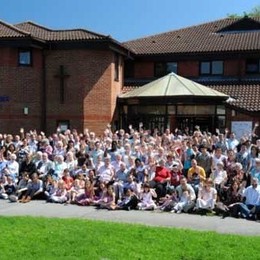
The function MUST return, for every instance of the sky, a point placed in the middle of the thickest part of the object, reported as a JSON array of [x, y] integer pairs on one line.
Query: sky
[[122, 19]]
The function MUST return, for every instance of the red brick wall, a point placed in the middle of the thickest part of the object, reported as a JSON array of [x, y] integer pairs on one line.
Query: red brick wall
[[188, 68], [23, 86], [8, 57], [144, 69], [90, 90], [232, 68]]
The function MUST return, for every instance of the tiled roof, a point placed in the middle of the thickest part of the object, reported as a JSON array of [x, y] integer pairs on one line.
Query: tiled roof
[[245, 96], [208, 37], [9, 31], [59, 35]]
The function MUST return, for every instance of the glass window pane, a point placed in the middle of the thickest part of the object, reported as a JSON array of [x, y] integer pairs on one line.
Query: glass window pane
[[25, 57], [205, 67], [205, 110], [196, 110], [221, 110], [217, 67], [155, 110], [185, 110], [160, 69], [171, 110], [221, 122], [171, 67], [252, 66]]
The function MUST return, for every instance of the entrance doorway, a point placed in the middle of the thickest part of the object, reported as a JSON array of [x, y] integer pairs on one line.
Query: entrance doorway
[[204, 123], [150, 122]]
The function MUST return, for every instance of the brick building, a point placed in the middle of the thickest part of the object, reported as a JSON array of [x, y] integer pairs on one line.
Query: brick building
[[72, 78], [50, 78], [223, 55]]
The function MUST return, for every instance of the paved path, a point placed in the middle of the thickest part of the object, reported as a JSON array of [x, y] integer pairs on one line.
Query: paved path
[[212, 223]]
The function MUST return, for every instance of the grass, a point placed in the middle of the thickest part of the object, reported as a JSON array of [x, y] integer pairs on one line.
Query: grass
[[53, 238]]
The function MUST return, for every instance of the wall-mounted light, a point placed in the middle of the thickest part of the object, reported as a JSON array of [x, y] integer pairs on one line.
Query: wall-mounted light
[[26, 110]]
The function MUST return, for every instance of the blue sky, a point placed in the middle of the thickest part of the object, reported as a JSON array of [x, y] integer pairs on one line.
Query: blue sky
[[122, 19]]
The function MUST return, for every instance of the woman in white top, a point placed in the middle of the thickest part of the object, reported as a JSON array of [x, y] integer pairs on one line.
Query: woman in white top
[[207, 196], [146, 197]]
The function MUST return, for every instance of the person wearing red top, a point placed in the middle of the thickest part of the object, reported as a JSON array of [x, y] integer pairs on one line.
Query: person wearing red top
[[162, 177], [68, 180], [175, 176]]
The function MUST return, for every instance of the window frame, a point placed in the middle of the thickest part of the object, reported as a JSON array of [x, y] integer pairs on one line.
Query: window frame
[[116, 67], [20, 51], [211, 68], [164, 66], [257, 63]]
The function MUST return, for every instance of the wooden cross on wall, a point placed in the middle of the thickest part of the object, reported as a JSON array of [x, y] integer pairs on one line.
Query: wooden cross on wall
[[62, 76]]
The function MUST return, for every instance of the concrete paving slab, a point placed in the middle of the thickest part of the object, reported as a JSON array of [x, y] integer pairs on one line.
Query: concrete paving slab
[[151, 218]]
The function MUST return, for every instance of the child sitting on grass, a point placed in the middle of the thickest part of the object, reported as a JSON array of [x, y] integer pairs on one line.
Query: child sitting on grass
[[60, 195], [184, 200], [146, 198], [108, 199], [169, 201], [86, 198], [129, 200]]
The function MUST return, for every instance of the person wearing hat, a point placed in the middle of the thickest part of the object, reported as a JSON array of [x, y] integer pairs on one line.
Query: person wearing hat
[[175, 177]]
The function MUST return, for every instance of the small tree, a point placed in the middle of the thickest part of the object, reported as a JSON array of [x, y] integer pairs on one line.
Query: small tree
[[255, 12]]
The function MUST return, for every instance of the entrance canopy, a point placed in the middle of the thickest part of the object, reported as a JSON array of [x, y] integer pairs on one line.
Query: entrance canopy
[[173, 102], [173, 85]]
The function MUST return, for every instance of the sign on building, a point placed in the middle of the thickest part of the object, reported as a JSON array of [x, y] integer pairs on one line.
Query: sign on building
[[242, 128]]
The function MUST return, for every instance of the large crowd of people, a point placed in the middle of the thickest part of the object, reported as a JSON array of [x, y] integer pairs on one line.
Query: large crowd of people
[[181, 171]]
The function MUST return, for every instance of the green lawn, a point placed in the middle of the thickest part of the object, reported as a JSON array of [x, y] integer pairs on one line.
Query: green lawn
[[53, 238]]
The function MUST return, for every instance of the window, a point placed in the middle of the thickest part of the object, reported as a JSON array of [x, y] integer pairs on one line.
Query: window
[[25, 57], [129, 69], [63, 125], [147, 110], [253, 66], [211, 68], [195, 110], [116, 78], [164, 68], [221, 110]]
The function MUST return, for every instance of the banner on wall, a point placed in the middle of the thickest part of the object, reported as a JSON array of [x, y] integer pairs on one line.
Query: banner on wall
[[242, 128]]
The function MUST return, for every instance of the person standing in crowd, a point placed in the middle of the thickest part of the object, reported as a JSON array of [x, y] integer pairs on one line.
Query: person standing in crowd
[[204, 160], [232, 142], [188, 155]]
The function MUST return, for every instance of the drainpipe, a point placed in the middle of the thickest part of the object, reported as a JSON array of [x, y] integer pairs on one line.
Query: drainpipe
[[44, 94]]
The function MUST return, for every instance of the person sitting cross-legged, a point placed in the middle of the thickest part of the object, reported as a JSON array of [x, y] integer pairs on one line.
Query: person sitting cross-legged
[[251, 207], [34, 191]]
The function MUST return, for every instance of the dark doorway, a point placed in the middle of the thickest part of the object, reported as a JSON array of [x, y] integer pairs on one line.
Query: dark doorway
[[204, 123]]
